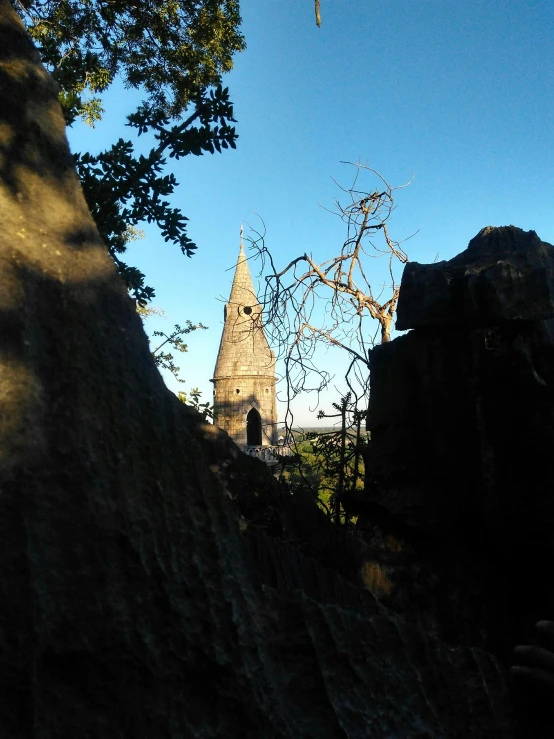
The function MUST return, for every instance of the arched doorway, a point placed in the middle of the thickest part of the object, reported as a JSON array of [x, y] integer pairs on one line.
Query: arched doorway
[[253, 428]]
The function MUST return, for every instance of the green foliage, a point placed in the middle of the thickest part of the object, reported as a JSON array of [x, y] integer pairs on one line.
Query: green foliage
[[165, 359], [193, 399], [170, 49], [175, 52], [123, 189], [329, 463]]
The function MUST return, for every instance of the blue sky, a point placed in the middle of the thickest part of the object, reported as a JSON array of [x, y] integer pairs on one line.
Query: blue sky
[[457, 92]]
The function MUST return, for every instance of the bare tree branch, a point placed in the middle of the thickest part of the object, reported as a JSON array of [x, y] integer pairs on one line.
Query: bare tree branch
[[317, 14], [311, 305], [294, 297]]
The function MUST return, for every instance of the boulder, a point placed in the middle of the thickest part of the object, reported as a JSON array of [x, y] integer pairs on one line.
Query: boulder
[[458, 506], [505, 274]]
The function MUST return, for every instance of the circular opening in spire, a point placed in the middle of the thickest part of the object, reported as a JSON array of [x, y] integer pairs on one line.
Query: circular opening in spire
[[247, 309]]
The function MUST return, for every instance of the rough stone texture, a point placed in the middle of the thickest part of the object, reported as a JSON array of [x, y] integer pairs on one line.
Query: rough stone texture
[[134, 600], [459, 511], [244, 374], [504, 274]]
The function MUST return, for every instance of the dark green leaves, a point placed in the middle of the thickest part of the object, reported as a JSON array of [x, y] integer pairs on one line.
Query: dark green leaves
[[123, 189], [175, 52], [169, 48], [174, 341]]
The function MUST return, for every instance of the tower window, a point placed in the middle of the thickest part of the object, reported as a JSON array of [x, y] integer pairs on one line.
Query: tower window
[[237, 390], [253, 428], [247, 309], [267, 389]]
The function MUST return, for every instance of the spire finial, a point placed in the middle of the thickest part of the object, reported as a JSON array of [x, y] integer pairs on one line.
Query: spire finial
[[241, 239]]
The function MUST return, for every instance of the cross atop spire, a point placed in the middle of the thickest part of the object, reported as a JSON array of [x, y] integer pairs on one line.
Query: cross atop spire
[[242, 290], [241, 251]]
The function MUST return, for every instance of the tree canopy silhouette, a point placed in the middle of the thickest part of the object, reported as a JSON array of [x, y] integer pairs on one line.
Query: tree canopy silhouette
[[175, 52]]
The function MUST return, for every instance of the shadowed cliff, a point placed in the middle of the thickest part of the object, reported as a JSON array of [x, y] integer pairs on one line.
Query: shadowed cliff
[[459, 465]]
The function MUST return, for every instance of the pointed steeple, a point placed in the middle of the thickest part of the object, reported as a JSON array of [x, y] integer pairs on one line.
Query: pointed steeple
[[243, 350], [245, 401], [242, 290]]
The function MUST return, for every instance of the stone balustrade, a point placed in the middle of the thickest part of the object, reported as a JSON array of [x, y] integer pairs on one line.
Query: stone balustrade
[[268, 454]]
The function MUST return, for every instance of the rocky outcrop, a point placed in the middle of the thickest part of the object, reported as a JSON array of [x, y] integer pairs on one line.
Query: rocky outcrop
[[462, 425], [505, 274], [135, 601]]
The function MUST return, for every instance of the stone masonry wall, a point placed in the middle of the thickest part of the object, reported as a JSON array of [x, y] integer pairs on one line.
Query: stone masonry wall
[[231, 407]]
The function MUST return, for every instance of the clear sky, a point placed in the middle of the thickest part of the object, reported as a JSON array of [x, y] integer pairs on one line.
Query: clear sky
[[457, 92]]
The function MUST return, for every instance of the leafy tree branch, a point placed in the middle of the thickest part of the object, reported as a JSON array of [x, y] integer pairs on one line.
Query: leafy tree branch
[[175, 52], [164, 359]]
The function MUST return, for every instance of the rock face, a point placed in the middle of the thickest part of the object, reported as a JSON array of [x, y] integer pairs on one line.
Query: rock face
[[134, 601], [462, 425], [505, 274]]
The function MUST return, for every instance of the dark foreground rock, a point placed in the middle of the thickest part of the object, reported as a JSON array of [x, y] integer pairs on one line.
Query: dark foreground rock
[[134, 600], [462, 425], [505, 274]]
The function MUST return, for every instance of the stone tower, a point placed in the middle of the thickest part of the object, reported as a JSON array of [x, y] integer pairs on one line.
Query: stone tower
[[244, 377]]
